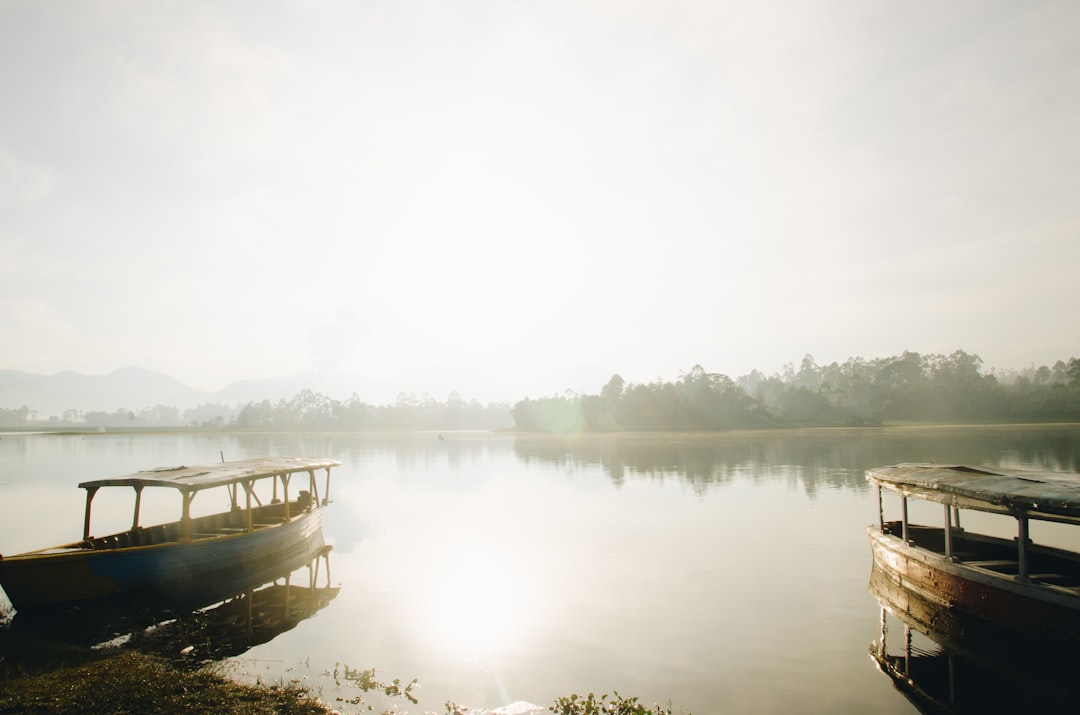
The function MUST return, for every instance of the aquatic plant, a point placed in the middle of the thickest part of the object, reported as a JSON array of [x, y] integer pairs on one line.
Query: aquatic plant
[[366, 682], [617, 705]]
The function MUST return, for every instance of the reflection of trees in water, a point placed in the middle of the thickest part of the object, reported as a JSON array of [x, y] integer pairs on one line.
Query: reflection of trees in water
[[812, 459], [405, 449], [703, 461]]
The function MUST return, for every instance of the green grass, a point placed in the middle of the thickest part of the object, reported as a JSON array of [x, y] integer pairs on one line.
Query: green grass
[[132, 683]]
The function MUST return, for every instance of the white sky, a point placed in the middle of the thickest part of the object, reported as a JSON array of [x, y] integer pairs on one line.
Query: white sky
[[488, 192]]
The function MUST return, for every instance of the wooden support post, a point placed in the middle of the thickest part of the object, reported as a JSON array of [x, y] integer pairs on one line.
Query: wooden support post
[[90, 492], [877, 488], [138, 504], [326, 489], [1022, 548], [288, 599], [285, 494], [185, 518], [903, 518], [952, 679], [249, 525], [948, 532], [907, 649], [882, 632], [313, 487], [956, 518]]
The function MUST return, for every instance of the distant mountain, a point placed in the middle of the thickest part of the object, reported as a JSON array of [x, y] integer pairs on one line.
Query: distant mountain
[[134, 388], [126, 388]]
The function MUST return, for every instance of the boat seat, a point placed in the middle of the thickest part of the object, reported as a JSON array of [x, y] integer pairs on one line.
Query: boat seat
[[1048, 577], [994, 564]]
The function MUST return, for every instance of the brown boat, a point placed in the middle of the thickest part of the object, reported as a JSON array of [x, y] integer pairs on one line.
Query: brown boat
[[1026, 587]]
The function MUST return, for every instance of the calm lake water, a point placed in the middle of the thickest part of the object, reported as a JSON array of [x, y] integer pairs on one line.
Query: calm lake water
[[724, 573]]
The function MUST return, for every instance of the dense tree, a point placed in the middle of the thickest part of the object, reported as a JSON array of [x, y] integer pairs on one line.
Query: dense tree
[[17, 416], [209, 414], [909, 386], [314, 411]]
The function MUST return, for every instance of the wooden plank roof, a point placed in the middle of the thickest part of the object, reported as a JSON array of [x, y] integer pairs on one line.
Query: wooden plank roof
[[195, 478], [1003, 489]]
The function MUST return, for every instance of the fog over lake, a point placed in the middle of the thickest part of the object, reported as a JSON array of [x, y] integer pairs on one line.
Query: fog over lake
[[709, 261], [724, 572]]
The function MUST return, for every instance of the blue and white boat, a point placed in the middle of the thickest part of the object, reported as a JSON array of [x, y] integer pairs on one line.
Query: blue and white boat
[[174, 555]]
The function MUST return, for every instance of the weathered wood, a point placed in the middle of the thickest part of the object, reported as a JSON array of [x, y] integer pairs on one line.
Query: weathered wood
[[138, 505], [948, 532], [1013, 582], [993, 563], [1043, 495], [203, 477], [90, 492], [1034, 608]]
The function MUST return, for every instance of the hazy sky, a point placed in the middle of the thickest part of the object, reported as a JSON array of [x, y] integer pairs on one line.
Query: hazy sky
[[487, 193]]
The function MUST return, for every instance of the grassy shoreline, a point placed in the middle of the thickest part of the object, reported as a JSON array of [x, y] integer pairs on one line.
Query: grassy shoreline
[[119, 683], [126, 682]]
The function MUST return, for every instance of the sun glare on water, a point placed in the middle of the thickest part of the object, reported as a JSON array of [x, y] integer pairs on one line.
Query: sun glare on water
[[479, 603]]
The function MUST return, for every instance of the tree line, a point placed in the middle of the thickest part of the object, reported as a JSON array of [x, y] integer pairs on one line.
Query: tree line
[[205, 415], [907, 387], [314, 411], [307, 410]]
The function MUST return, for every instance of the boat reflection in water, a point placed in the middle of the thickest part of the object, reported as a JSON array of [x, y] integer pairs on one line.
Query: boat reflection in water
[[202, 622], [944, 662]]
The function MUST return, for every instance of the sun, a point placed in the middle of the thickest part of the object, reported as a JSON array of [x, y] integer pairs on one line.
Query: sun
[[478, 603]]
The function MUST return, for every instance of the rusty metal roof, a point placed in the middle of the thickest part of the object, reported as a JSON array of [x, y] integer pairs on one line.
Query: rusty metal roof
[[1004, 489], [195, 478]]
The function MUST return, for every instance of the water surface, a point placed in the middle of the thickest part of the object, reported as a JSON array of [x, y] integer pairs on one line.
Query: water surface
[[724, 572]]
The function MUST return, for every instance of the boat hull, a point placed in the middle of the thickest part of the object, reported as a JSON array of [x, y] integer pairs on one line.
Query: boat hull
[[1027, 674], [168, 569], [934, 587]]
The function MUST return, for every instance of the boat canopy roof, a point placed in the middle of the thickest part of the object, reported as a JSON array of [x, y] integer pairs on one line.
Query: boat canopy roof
[[190, 479], [988, 489]]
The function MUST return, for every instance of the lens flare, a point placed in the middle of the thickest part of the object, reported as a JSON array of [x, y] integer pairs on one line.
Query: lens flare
[[478, 602]]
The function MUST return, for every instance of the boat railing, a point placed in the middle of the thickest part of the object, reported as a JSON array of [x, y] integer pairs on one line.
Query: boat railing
[[1046, 565], [203, 527]]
